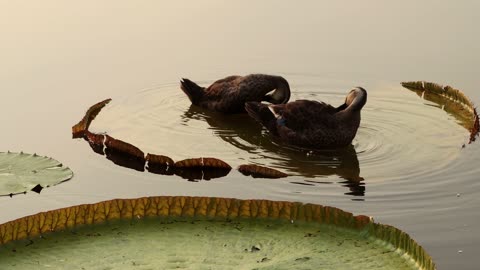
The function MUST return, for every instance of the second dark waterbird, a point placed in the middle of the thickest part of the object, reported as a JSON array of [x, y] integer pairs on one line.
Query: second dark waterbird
[[312, 124], [230, 94]]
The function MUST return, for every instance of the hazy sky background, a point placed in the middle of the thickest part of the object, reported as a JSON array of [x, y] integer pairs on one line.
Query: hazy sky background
[[153, 41]]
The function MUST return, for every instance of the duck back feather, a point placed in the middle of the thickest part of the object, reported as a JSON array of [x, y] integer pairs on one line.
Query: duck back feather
[[229, 95]]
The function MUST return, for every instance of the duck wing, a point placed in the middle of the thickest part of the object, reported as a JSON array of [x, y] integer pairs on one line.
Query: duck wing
[[306, 114], [231, 93], [305, 122], [252, 87], [223, 86]]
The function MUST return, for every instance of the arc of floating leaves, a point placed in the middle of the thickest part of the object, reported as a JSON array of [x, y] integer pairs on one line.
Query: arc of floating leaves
[[196, 209], [127, 155], [78, 130], [21, 172], [452, 100], [257, 171]]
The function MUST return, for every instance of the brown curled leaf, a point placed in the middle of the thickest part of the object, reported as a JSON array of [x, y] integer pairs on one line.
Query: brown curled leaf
[[124, 154], [201, 168], [95, 141], [122, 147], [79, 129], [257, 171], [202, 163], [160, 164]]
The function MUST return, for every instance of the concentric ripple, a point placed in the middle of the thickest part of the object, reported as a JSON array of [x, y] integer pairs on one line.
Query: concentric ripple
[[401, 136]]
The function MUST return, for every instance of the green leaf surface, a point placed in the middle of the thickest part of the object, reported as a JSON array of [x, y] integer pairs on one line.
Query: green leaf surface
[[21, 172], [205, 233]]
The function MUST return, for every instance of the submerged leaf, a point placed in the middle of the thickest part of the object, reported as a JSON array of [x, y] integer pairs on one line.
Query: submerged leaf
[[199, 232], [20, 172], [257, 171]]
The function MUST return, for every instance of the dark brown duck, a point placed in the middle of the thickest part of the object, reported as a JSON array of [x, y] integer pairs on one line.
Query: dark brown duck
[[229, 95], [312, 124]]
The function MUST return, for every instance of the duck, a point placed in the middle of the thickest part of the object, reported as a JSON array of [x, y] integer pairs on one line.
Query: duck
[[312, 124], [229, 95]]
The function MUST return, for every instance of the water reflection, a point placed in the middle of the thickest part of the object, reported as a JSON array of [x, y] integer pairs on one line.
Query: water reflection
[[244, 133]]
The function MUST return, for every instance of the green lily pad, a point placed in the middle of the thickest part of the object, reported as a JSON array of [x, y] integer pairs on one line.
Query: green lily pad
[[21, 172], [205, 233]]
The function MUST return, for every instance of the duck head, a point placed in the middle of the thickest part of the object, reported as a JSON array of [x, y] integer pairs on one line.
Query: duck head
[[355, 100]]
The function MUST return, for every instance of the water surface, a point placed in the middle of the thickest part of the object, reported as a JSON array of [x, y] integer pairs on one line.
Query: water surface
[[406, 167]]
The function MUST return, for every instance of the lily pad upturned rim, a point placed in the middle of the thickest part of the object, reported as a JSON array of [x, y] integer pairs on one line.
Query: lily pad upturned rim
[[209, 208], [452, 100]]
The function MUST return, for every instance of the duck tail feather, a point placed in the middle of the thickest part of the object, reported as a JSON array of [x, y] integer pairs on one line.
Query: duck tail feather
[[192, 90], [261, 113]]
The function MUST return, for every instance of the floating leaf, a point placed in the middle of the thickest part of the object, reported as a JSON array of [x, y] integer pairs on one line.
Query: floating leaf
[[196, 232], [201, 168], [451, 100], [257, 171], [202, 163], [124, 154], [96, 142], [79, 129], [160, 164], [124, 148], [20, 172]]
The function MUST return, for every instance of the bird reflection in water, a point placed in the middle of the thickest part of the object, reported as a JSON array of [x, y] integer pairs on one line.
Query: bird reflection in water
[[244, 133]]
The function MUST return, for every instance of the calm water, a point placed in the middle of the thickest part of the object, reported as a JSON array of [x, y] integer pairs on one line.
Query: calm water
[[406, 166]]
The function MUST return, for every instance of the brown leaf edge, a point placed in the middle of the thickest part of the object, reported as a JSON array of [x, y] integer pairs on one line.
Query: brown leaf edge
[[209, 208], [257, 171], [78, 130], [448, 94]]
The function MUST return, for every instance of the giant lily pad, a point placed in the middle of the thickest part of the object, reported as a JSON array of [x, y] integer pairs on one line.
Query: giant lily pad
[[205, 233], [20, 172]]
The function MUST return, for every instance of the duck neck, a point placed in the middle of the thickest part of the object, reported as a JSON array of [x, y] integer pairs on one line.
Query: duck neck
[[359, 101], [281, 94]]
